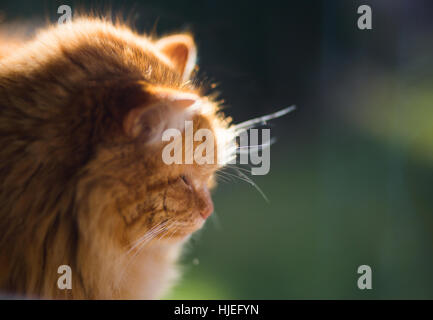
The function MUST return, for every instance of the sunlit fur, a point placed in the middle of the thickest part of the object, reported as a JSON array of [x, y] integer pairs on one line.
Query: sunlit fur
[[75, 188]]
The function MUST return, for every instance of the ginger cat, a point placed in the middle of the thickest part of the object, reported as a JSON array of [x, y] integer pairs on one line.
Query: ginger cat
[[82, 109]]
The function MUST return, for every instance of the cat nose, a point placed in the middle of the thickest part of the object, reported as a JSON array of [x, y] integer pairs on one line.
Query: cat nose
[[206, 205], [206, 210]]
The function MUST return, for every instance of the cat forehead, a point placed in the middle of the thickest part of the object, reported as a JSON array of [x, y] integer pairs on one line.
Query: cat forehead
[[100, 45]]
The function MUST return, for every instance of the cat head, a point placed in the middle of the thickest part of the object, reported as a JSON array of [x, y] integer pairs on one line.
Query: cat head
[[111, 101]]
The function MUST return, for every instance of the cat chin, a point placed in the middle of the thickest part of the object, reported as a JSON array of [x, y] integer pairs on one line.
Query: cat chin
[[183, 234]]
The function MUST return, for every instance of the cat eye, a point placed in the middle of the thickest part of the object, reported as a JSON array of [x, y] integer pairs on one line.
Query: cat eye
[[186, 181]]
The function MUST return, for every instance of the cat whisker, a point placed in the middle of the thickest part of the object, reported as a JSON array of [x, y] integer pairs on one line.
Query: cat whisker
[[142, 244], [149, 234], [235, 167], [162, 234], [243, 177], [141, 241], [226, 176], [173, 233], [219, 174], [243, 126], [255, 148]]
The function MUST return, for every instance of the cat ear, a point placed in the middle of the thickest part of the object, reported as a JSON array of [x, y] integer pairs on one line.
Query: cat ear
[[181, 51], [166, 110]]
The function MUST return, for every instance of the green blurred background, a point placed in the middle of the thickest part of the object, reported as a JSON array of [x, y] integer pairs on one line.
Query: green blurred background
[[351, 178]]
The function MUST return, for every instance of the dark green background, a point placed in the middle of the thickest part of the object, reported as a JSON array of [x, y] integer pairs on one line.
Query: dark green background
[[351, 178]]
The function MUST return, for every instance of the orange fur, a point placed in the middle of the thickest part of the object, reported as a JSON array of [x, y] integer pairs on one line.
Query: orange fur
[[81, 182]]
